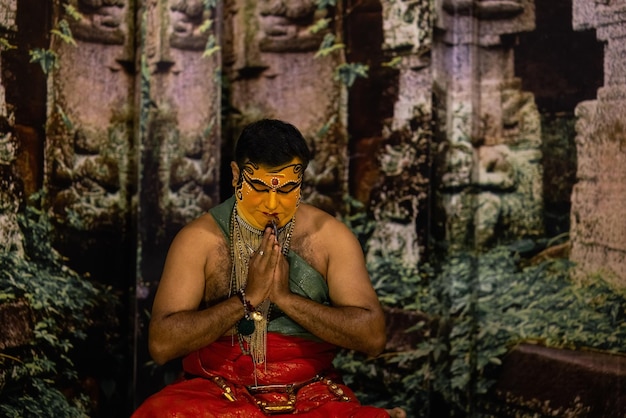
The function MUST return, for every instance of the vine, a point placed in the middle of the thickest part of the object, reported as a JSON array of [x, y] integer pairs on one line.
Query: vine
[[479, 307], [40, 378]]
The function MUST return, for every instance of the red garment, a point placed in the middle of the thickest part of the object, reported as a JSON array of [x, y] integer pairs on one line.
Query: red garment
[[289, 360]]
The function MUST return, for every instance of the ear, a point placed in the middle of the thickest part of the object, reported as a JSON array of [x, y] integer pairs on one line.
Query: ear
[[235, 170]]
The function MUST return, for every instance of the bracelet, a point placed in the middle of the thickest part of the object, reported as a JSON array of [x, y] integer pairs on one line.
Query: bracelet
[[247, 306], [246, 325]]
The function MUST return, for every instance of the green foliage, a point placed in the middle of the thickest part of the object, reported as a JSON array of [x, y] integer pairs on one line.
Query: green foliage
[[480, 306], [319, 25], [5, 45], [324, 4], [211, 47], [46, 58], [64, 32], [347, 73], [65, 306], [72, 12], [354, 216], [328, 46]]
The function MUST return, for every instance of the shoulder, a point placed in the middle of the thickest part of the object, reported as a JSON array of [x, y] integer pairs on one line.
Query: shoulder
[[323, 231], [201, 234], [317, 220]]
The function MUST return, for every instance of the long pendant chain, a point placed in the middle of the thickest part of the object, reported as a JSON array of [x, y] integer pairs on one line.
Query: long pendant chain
[[244, 240]]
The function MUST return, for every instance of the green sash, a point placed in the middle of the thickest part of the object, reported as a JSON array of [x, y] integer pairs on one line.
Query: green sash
[[304, 280]]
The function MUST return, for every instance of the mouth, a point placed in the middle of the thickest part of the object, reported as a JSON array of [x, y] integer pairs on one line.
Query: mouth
[[273, 217]]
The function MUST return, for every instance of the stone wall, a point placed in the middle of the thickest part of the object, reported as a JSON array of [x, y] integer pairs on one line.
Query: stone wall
[[598, 229], [489, 173]]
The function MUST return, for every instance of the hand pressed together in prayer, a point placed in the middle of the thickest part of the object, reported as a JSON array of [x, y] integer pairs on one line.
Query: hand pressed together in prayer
[[268, 271], [261, 292]]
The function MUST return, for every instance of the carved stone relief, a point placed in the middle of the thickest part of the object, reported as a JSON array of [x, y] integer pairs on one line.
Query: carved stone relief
[[11, 238], [183, 128], [10, 233], [407, 25], [395, 203], [483, 21], [322, 175], [484, 9], [275, 74], [285, 25], [89, 131], [488, 127], [102, 21], [186, 19], [400, 196]]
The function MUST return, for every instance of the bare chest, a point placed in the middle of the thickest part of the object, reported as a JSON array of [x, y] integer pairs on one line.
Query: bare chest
[[218, 270]]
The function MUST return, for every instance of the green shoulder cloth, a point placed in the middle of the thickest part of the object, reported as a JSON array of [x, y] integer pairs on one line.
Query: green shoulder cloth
[[304, 280]]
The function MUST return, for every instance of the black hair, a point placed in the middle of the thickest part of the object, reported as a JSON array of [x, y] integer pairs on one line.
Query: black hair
[[271, 142]]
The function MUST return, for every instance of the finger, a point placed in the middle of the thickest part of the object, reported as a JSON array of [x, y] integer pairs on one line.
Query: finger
[[268, 241]]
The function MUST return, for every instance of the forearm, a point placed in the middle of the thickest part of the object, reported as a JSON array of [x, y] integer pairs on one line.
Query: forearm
[[350, 327], [177, 334]]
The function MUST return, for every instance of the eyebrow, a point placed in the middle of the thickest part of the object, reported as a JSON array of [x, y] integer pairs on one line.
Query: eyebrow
[[285, 188]]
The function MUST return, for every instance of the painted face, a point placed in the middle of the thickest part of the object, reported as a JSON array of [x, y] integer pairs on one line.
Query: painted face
[[266, 193]]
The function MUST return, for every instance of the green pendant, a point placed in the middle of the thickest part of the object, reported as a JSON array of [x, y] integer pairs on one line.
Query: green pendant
[[245, 326]]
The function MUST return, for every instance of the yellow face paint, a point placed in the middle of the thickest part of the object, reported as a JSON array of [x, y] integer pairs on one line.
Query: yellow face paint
[[265, 194]]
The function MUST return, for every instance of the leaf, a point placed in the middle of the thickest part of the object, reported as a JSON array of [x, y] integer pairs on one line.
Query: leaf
[[324, 4], [72, 12], [348, 73], [319, 25], [64, 32], [6, 45], [46, 58]]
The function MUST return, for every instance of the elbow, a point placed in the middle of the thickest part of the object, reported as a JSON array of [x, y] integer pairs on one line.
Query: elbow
[[376, 344], [376, 339], [158, 351]]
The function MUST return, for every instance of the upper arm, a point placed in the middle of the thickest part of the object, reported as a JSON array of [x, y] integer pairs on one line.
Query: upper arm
[[182, 284], [348, 280]]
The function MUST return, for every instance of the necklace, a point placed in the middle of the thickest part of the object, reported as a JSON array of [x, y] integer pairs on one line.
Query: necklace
[[244, 241]]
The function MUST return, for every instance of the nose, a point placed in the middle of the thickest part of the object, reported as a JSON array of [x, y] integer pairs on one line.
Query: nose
[[272, 200]]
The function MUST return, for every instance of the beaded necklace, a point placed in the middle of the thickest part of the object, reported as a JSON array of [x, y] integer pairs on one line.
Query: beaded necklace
[[244, 241]]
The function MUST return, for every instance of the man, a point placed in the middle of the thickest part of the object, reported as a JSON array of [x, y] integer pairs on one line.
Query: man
[[258, 294]]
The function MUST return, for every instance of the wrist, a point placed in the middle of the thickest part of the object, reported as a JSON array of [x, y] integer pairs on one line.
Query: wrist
[[249, 311]]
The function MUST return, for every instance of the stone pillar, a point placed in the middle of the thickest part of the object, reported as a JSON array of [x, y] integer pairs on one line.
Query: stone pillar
[[598, 227], [401, 194], [184, 118], [489, 136], [178, 129], [274, 73], [89, 166]]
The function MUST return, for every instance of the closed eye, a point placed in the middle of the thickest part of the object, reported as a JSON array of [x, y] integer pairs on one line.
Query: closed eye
[[261, 187]]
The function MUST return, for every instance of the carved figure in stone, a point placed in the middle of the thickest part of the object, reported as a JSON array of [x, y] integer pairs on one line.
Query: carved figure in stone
[[284, 25], [496, 180], [192, 175], [520, 118], [186, 19], [481, 195], [322, 175], [484, 9], [10, 233], [102, 21], [89, 180], [456, 193], [407, 25], [395, 207]]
